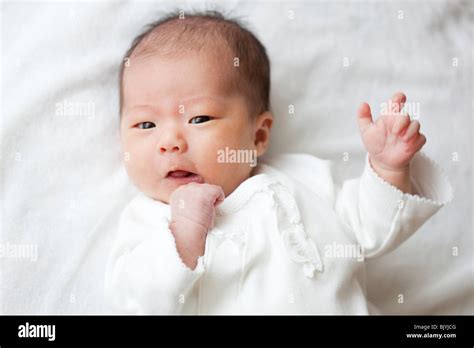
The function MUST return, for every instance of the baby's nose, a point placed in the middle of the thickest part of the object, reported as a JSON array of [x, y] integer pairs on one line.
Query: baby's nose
[[172, 145], [164, 149]]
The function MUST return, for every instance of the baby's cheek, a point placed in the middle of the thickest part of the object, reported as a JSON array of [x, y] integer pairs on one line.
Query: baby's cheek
[[230, 175], [134, 172], [137, 168]]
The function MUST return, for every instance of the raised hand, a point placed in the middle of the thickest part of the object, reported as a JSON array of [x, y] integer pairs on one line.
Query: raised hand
[[393, 139]]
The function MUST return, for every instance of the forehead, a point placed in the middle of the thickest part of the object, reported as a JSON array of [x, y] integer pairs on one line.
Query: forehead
[[154, 79]]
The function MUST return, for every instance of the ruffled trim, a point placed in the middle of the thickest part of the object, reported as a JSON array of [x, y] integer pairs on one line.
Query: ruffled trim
[[300, 248], [199, 269], [416, 197]]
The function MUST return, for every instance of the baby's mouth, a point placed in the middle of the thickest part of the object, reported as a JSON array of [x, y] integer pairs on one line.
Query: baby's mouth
[[179, 174], [184, 177]]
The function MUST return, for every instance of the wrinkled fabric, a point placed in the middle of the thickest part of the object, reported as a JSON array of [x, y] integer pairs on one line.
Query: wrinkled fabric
[[283, 242]]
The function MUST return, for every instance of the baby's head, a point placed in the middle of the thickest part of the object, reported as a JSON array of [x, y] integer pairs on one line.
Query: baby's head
[[194, 96]]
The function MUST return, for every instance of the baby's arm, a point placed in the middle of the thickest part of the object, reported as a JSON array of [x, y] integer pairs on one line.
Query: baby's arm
[[155, 262], [399, 189], [145, 274], [192, 216], [391, 141]]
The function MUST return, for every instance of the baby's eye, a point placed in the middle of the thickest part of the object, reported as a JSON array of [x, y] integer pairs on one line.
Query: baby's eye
[[146, 125], [200, 119]]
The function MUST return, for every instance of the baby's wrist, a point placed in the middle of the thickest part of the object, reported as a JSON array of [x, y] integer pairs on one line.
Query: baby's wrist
[[188, 226], [190, 240], [398, 177], [381, 167]]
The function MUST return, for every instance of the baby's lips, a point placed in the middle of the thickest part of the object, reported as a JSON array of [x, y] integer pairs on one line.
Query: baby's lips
[[178, 173], [184, 177]]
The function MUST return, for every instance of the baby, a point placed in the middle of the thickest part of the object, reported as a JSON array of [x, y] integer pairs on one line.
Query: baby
[[210, 232]]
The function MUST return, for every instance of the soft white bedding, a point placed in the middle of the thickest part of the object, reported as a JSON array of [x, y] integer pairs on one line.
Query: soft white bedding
[[63, 185]]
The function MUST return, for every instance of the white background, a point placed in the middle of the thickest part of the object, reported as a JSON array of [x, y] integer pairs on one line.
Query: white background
[[64, 186]]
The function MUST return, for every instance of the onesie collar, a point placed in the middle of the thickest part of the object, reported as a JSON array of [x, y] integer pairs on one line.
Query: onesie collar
[[259, 182]]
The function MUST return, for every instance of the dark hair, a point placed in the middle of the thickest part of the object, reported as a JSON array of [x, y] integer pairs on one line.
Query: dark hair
[[205, 30]]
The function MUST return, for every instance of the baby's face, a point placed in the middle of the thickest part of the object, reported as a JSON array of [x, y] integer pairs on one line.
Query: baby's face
[[177, 114]]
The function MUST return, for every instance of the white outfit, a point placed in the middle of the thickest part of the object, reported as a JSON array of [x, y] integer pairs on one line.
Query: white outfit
[[284, 242]]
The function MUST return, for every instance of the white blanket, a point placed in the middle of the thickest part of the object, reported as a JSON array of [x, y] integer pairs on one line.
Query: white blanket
[[64, 185]]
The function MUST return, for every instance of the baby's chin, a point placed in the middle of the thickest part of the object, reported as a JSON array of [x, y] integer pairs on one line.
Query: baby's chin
[[166, 188], [161, 196]]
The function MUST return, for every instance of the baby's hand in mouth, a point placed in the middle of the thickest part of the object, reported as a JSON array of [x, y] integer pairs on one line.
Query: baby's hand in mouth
[[192, 216]]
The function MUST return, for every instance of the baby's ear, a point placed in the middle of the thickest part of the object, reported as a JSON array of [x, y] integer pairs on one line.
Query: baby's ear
[[262, 126]]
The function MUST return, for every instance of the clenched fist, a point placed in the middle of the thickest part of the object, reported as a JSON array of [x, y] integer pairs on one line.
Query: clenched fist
[[192, 216]]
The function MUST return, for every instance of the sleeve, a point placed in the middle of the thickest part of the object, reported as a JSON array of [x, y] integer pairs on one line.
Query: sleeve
[[144, 272], [381, 215]]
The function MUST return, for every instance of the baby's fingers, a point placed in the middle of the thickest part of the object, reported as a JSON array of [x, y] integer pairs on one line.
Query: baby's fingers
[[418, 142], [364, 117], [398, 100], [401, 123], [218, 195], [412, 130]]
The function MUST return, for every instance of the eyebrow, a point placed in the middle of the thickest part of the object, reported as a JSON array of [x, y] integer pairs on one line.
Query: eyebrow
[[189, 101], [200, 99], [130, 111]]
